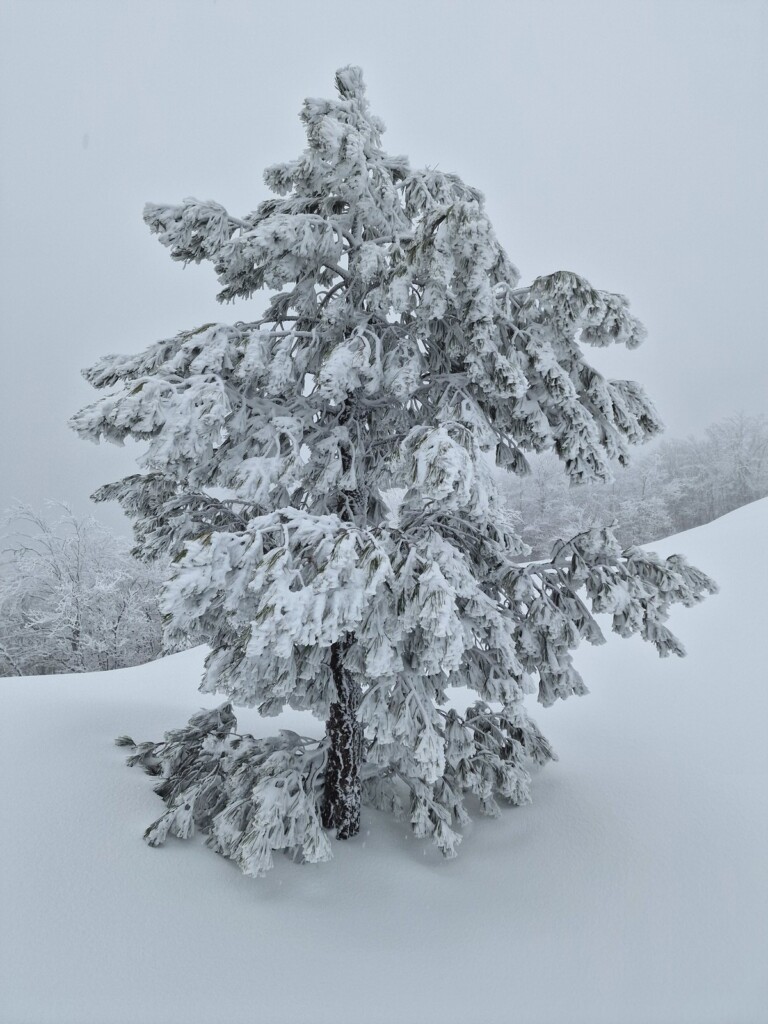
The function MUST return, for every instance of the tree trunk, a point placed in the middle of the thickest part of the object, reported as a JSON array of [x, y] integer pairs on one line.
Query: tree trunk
[[343, 786]]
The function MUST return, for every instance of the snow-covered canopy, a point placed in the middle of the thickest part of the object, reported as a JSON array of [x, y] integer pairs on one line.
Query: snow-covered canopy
[[396, 351]]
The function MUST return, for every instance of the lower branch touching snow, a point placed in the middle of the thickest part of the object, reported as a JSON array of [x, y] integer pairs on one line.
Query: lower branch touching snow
[[253, 797], [248, 797]]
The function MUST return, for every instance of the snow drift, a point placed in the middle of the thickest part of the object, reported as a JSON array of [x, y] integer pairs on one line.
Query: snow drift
[[632, 890]]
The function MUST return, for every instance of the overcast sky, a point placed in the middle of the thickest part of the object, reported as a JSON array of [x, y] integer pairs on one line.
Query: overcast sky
[[624, 141]]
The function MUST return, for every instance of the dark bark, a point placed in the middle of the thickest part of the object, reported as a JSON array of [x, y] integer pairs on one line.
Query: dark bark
[[343, 787]]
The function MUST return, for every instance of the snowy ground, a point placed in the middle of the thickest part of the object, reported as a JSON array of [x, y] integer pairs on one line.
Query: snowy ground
[[633, 891]]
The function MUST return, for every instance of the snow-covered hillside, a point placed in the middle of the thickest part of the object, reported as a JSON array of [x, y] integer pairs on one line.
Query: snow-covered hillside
[[633, 891]]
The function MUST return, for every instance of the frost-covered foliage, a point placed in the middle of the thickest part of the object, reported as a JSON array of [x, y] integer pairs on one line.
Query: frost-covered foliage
[[72, 599], [319, 477], [249, 796]]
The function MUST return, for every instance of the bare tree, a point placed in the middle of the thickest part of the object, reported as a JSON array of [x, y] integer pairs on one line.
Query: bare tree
[[72, 599]]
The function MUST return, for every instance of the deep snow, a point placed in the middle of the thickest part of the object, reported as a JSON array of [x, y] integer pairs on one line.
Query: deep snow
[[633, 891]]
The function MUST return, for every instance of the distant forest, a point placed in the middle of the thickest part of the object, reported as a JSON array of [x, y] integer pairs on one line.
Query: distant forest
[[672, 486], [73, 599]]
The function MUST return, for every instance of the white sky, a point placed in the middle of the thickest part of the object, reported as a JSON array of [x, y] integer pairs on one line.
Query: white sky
[[625, 141]]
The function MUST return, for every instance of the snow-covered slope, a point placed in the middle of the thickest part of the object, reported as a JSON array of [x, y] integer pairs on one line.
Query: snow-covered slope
[[634, 889]]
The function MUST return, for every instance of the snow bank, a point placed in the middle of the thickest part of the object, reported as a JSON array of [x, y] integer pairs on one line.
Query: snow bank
[[633, 890]]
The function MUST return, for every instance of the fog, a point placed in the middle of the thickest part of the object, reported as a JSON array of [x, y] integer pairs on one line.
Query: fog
[[626, 142]]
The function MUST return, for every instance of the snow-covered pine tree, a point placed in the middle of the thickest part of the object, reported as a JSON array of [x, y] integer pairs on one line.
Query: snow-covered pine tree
[[319, 477]]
